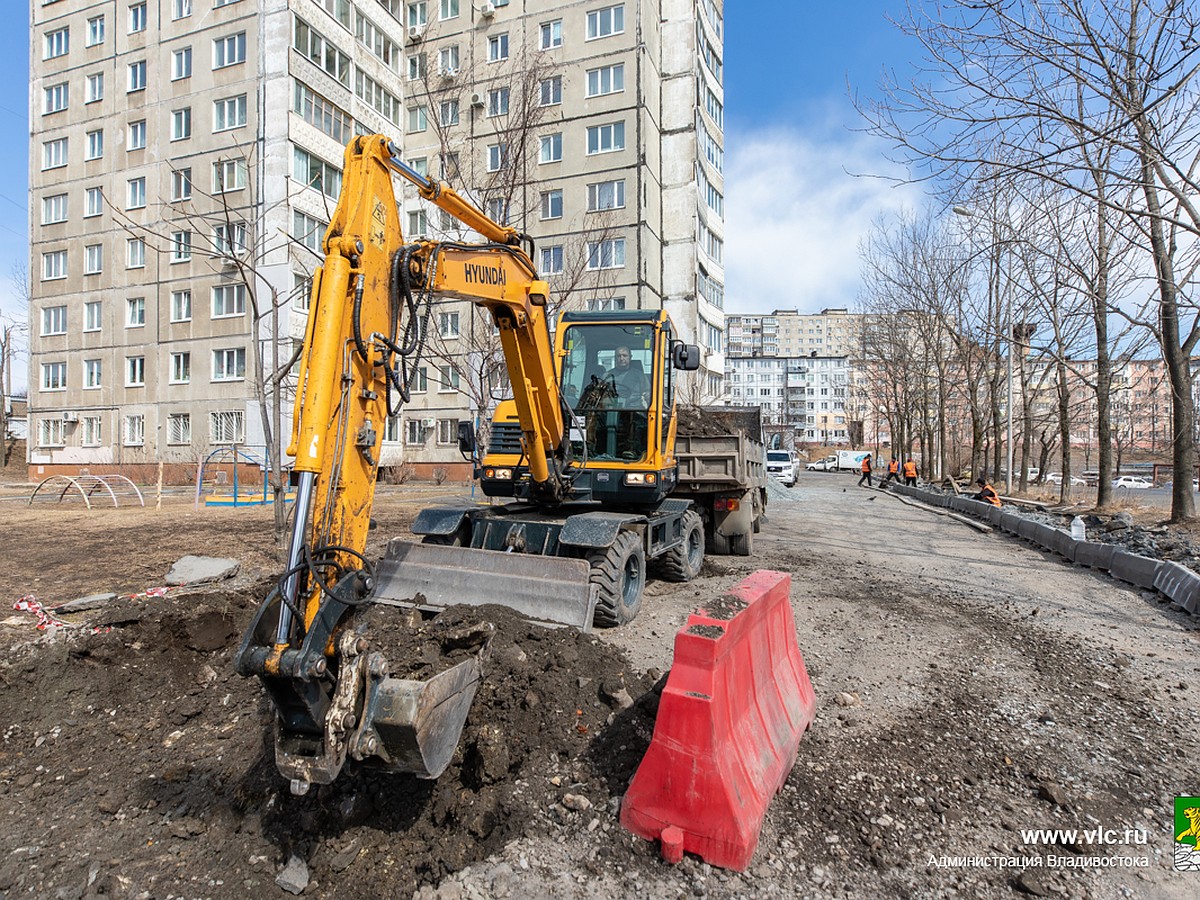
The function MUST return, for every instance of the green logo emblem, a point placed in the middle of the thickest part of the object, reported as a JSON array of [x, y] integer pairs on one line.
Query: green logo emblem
[[1187, 834]]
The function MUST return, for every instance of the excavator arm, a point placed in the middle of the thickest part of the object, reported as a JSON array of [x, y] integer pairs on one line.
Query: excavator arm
[[310, 643]]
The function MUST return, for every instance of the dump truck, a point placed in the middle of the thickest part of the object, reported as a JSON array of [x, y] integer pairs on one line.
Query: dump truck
[[723, 473], [582, 461]]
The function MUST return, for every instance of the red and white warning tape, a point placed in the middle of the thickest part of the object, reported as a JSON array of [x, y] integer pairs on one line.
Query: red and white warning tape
[[30, 603]]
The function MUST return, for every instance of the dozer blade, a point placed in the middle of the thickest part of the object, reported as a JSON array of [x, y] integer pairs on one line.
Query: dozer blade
[[541, 588]]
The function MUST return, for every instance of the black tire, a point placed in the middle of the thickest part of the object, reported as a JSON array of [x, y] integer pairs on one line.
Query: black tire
[[683, 563], [620, 574], [445, 540]]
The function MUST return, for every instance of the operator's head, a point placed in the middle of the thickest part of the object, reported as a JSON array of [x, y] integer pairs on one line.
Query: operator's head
[[980, 482], [623, 357]]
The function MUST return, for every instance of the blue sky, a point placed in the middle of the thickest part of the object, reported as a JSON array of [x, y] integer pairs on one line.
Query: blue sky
[[794, 214]]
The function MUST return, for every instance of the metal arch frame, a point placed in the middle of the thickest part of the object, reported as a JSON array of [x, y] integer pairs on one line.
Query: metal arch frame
[[93, 483]]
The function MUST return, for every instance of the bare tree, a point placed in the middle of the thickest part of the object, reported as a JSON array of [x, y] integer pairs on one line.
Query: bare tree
[[13, 330]]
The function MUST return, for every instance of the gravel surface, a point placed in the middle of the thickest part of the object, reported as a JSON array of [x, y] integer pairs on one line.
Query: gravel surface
[[968, 687]]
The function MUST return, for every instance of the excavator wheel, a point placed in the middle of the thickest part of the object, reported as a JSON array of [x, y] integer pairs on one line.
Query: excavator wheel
[[683, 562], [458, 539], [619, 573]]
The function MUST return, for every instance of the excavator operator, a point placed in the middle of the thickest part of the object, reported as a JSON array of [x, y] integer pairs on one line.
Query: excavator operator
[[633, 388]]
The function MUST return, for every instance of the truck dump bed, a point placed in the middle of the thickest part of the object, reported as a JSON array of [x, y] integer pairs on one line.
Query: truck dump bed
[[720, 447]]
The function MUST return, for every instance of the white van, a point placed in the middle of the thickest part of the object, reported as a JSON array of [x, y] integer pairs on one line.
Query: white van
[[782, 465]]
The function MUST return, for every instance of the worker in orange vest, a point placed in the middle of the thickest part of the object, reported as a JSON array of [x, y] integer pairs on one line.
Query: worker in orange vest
[[910, 473], [893, 472], [987, 493], [866, 471]]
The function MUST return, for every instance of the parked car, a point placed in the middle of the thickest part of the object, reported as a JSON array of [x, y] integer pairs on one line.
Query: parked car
[[828, 464], [1056, 478], [782, 465], [1135, 482]]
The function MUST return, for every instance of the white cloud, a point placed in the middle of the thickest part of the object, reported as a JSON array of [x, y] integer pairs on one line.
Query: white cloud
[[795, 211]]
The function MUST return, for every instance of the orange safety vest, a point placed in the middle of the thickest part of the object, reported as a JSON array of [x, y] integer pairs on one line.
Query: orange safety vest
[[893, 467], [866, 464], [990, 495], [910, 469]]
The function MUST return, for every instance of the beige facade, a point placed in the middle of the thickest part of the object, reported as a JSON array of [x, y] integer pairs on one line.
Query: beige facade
[[186, 155], [831, 332]]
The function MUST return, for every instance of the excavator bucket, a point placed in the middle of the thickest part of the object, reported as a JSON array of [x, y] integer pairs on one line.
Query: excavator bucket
[[548, 589]]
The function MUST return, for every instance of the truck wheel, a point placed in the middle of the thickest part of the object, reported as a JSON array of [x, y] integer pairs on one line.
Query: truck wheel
[[683, 563], [620, 574]]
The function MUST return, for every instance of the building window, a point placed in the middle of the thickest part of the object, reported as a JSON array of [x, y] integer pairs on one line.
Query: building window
[[93, 259], [181, 9], [551, 149], [135, 431], [550, 35], [228, 175], [308, 231], [604, 304], [497, 210], [229, 364], [417, 14], [219, 3], [50, 433], [181, 306], [606, 195], [229, 239], [308, 41], [323, 114], [228, 300], [498, 102], [54, 376], [91, 315], [181, 184], [92, 434], [58, 43], [609, 254], [606, 138], [339, 9], [448, 324], [418, 121], [93, 145], [314, 172], [376, 41], [181, 124], [135, 371], [606, 80], [497, 157], [95, 88], [416, 67], [418, 223], [448, 60], [54, 320], [413, 432], [181, 368], [135, 312], [550, 91], [448, 9], [137, 135], [552, 204], [227, 427], [181, 246], [95, 31], [137, 18], [137, 77], [54, 154], [497, 47], [605, 22], [92, 373], [449, 112], [179, 428], [55, 98], [54, 265], [54, 209], [382, 101], [135, 253], [181, 63], [552, 260], [447, 431], [229, 112], [136, 193], [229, 51], [448, 379]]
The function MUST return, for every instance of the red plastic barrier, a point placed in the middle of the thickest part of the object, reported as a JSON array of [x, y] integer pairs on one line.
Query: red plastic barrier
[[737, 701]]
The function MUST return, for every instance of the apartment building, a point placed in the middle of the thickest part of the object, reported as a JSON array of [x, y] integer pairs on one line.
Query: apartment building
[[803, 398], [186, 155], [831, 332]]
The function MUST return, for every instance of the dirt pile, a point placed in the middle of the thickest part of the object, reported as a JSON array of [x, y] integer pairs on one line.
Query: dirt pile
[[137, 763]]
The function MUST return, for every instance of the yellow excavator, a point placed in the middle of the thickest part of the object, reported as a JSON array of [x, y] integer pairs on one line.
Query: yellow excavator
[[583, 455]]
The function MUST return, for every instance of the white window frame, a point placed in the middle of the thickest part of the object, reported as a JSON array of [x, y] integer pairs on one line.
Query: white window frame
[[137, 135], [56, 43], [551, 203], [229, 50], [448, 324], [137, 77], [612, 248], [552, 260], [605, 22], [93, 147], [181, 368], [95, 31], [181, 63], [135, 196], [92, 431], [134, 431], [448, 380], [227, 426], [550, 35], [181, 184], [135, 371], [604, 80], [179, 429], [605, 138], [135, 253], [51, 433], [497, 157], [498, 102], [181, 305], [448, 9], [95, 88], [135, 312], [137, 17], [93, 374], [93, 259], [54, 376], [54, 209], [550, 91], [54, 320], [550, 148], [54, 153], [180, 9], [56, 98], [228, 301], [54, 265], [181, 124], [93, 315], [598, 193], [225, 357], [181, 246], [497, 47], [229, 113]]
